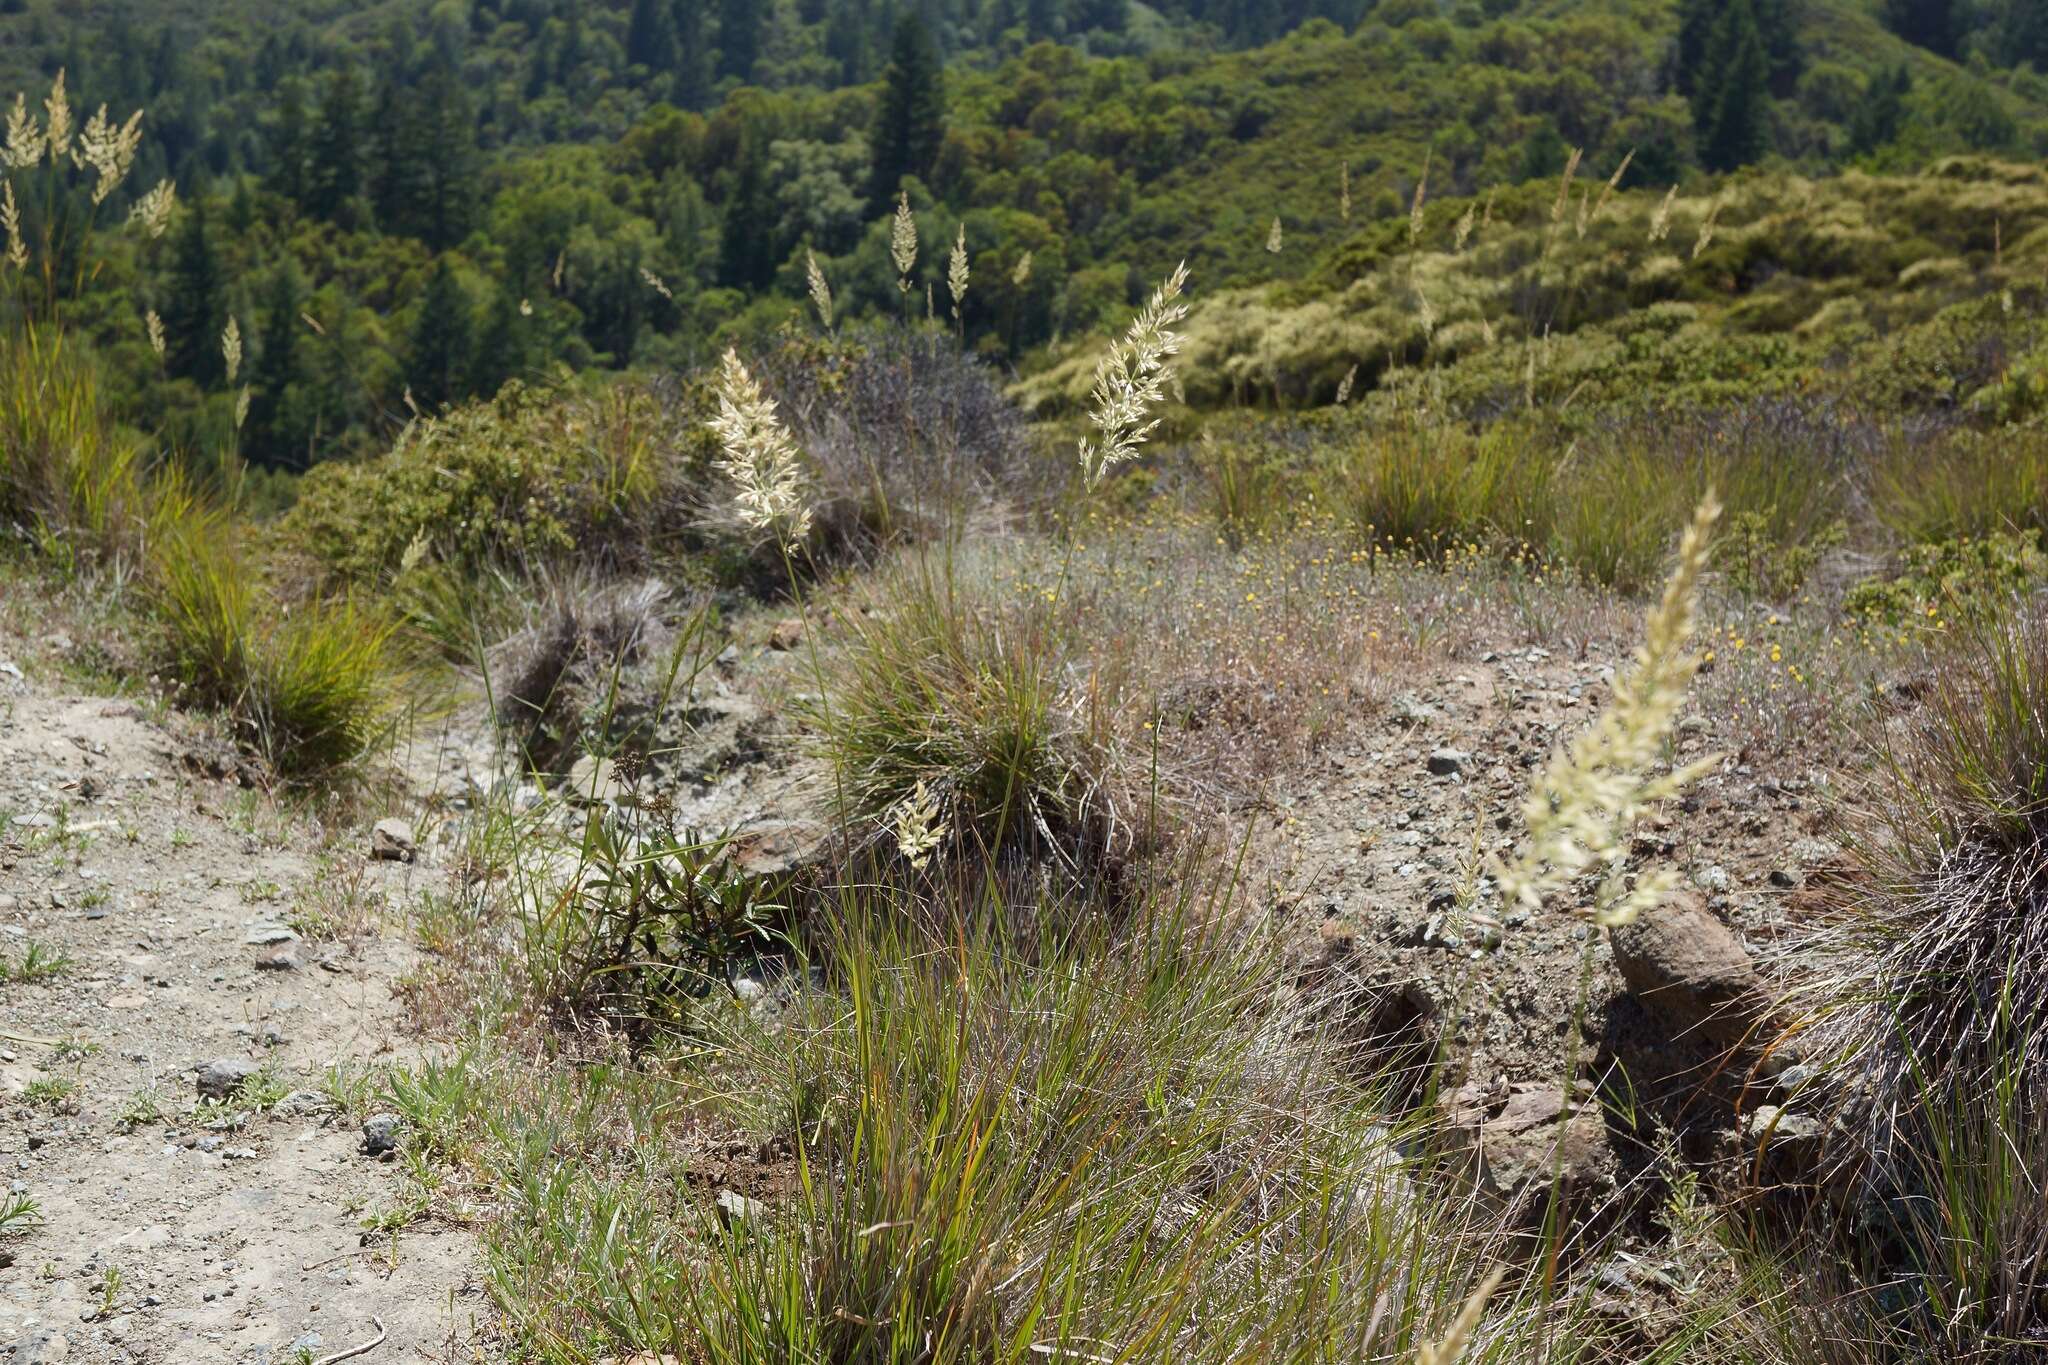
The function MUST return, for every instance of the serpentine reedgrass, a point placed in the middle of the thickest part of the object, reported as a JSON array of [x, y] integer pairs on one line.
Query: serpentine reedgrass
[[1586, 802], [1131, 380], [821, 292], [759, 456], [903, 241], [956, 272]]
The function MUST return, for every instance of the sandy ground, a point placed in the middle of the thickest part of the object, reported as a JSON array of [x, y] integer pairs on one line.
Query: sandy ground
[[233, 1233]]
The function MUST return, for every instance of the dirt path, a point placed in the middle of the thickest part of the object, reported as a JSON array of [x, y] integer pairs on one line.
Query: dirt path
[[172, 1232]]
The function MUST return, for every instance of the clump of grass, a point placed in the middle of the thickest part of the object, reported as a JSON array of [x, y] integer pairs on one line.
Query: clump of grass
[[1936, 981], [312, 687], [1421, 488], [66, 473], [1106, 1140], [946, 698]]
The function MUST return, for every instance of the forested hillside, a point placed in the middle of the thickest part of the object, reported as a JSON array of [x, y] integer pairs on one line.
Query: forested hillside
[[402, 205]]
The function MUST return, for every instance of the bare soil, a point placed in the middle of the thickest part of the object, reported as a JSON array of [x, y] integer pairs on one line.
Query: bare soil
[[226, 1233]]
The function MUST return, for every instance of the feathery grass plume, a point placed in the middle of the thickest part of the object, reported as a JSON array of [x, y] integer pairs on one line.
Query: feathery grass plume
[[1583, 807], [525, 311], [821, 292], [1486, 330], [1131, 379], [903, 241], [241, 407], [1344, 384], [561, 262], [1021, 276], [760, 458], [231, 348], [1564, 197], [10, 219], [655, 283], [1421, 196], [313, 324], [1274, 240], [24, 135], [1448, 1350], [1660, 221], [1585, 211], [1613, 183], [57, 109], [1707, 225], [956, 271], [153, 328], [918, 828], [1344, 190], [1466, 222], [1425, 314], [1486, 218], [108, 150], [153, 210]]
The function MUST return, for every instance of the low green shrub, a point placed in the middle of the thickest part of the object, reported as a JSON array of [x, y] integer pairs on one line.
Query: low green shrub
[[1952, 578]]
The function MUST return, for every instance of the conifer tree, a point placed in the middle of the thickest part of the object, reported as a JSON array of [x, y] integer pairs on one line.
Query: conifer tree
[[195, 306], [335, 176], [693, 55], [746, 248], [910, 123], [739, 37], [276, 369], [288, 145], [651, 36], [1731, 105], [438, 359], [1876, 119], [502, 345], [1926, 23]]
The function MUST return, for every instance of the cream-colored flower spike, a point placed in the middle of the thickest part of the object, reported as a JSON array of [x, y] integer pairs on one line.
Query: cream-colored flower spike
[[918, 827], [153, 328], [1131, 380], [231, 348], [25, 140], [108, 150], [10, 219], [956, 271], [1660, 221], [760, 458], [153, 210], [1584, 806], [57, 108], [821, 292], [903, 241], [1274, 239], [1021, 276]]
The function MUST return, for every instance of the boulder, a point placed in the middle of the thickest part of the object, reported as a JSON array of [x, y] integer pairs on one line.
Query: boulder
[[1519, 1139], [1691, 973]]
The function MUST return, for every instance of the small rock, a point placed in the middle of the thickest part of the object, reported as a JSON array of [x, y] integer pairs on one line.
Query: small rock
[[1448, 762], [380, 1134], [735, 1207], [1711, 878], [268, 933], [1787, 878], [304, 1104], [391, 841], [787, 635], [283, 960], [222, 1077], [1519, 1140]]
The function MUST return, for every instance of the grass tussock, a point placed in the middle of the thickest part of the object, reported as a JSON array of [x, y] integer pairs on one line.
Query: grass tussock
[[951, 696], [68, 479]]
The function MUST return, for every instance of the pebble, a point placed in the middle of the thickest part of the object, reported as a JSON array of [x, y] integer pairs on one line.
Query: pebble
[[380, 1134], [1448, 762]]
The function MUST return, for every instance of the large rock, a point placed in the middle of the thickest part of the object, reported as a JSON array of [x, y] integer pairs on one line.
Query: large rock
[[1692, 974], [1518, 1140]]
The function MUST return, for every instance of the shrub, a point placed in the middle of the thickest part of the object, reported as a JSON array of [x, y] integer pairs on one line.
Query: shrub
[[516, 482], [1952, 578]]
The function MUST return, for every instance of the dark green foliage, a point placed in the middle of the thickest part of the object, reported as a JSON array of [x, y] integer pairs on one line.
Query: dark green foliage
[[911, 120], [1931, 24], [276, 433], [335, 176], [195, 305], [439, 357], [739, 37], [1876, 119], [1731, 97]]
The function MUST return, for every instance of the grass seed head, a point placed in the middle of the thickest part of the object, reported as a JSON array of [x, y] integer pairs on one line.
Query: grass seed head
[[759, 456], [956, 271], [821, 292], [903, 241], [1131, 380]]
